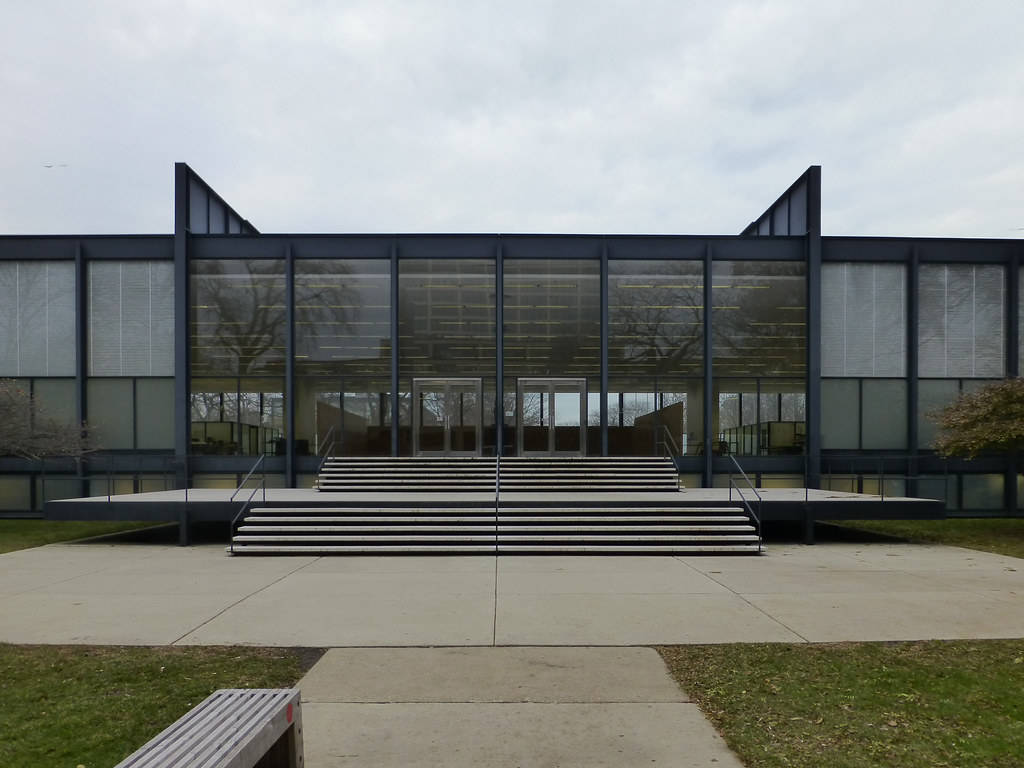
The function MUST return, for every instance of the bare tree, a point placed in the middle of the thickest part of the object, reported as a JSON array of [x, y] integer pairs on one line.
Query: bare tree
[[28, 431]]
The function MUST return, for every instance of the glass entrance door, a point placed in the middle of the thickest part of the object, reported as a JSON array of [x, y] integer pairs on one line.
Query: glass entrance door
[[447, 416], [551, 417]]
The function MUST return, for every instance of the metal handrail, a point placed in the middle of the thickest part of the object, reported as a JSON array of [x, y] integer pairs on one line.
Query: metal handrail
[[739, 491], [671, 441], [241, 485], [326, 455], [244, 508], [497, 498]]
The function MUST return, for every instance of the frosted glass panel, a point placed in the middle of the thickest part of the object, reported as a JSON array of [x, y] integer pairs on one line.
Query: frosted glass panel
[[37, 318], [840, 413], [111, 412], [154, 408], [933, 395], [983, 491], [863, 320], [131, 318], [962, 325], [884, 414]]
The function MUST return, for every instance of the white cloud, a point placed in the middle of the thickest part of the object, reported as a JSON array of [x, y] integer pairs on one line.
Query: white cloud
[[469, 116]]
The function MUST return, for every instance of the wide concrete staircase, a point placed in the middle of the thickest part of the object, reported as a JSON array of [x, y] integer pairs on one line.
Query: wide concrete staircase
[[449, 506], [372, 475]]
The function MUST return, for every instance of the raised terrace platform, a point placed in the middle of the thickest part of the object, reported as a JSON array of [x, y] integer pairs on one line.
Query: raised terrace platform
[[777, 504]]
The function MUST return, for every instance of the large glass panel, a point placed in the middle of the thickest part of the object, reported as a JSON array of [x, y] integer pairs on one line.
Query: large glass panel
[[932, 396], [446, 313], [759, 318], [37, 318], [238, 320], [640, 413], [863, 320], [655, 317], [57, 398], [154, 413], [552, 317], [840, 413], [15, 493], [681, 409], [760, 417], [131, 318], [962, 320], [884, 413], [111, 411], [342, 317], [983, 491], [214, 407]]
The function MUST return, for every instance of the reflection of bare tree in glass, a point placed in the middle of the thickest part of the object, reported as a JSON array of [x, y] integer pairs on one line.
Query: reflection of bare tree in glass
[[759, 318], [239, 317], [659, 322]]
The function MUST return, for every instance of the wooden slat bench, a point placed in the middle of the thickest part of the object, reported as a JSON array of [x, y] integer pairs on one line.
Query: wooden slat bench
[[232, 728]]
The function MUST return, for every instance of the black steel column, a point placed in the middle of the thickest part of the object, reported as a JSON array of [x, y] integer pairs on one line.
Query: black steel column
[[708, 415], [1012, 366], [813, 404], [181, 325], [289, 367], [394, 349], [913, 389], [81, 350], [499, 350], [604, 350]]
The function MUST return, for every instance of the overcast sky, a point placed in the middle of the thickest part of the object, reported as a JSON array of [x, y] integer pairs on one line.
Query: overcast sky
[[452, 116]]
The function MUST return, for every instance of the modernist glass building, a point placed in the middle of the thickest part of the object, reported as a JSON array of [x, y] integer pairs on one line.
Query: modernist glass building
[[812, 360]]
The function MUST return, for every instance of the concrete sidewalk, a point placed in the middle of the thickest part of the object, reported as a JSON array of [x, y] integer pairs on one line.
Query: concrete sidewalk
[[457, 707], [160, 594], [483, 705]]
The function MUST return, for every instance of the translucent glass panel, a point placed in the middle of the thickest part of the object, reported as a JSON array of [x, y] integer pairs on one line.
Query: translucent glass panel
[[983, 491], [15, 493], [111, 408], [932, 396], [131, 318], [238, 319], [759, 318], [552, 317], [863, 320], [655, 317], [883, 413], [37, 318], [343, 317], [57, 398], [446, 317], [863, 413], [840, 413], [961, 328], [154, 413]]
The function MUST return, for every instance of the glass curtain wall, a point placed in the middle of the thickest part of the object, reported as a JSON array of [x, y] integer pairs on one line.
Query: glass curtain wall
[[343, 357], [238, 323], [446, 330], [552, 329], [759, 357], [655, 356]]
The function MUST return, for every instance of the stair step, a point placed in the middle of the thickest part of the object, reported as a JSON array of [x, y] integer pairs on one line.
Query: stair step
[[434, 530], [419, 519], [490, 549]]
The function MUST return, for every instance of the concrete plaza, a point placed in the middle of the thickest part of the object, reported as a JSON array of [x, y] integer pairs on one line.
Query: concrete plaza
[[503, 688], [157, 593]]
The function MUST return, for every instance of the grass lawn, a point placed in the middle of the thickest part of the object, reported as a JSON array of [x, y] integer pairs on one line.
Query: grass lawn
[[1004, 536], [22, 534], [855, 705], [92, 706]]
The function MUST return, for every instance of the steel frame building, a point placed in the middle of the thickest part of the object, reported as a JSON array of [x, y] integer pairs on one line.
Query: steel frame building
[[815, 360]]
